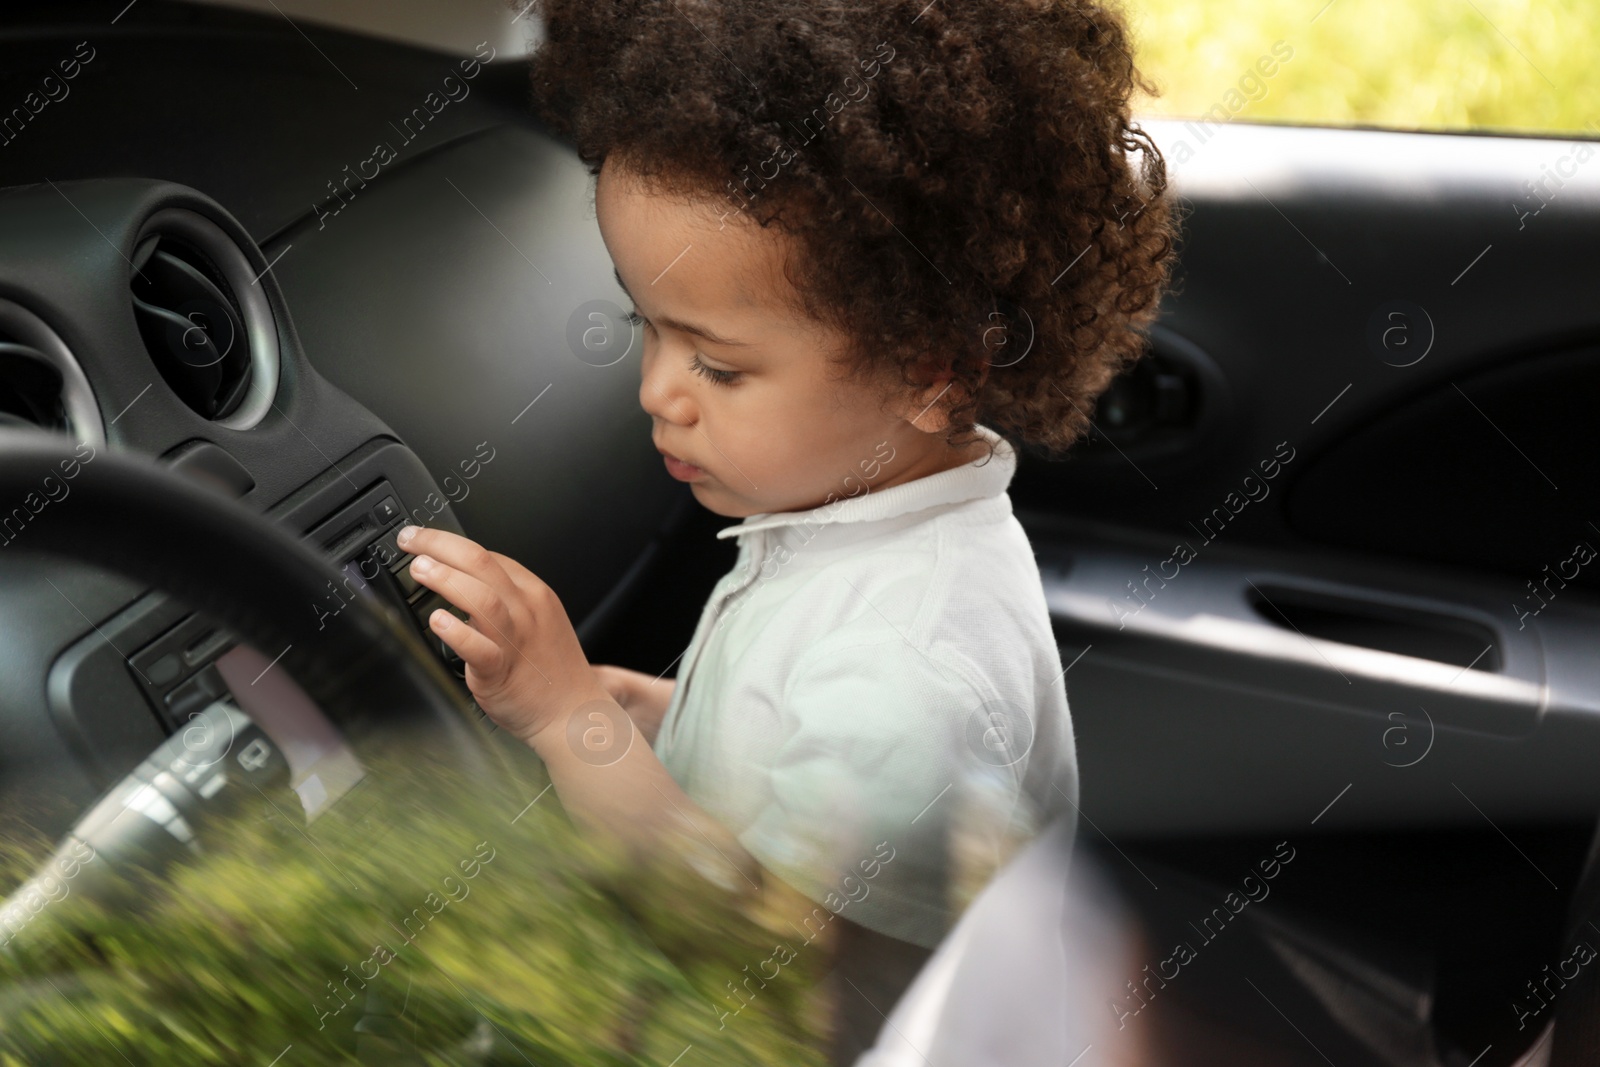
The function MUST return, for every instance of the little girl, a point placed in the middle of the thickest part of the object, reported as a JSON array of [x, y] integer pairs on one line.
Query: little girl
[[873, 247]]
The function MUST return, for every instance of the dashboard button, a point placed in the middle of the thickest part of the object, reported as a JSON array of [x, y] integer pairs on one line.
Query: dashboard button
[[387, 510], [164, 670], [408, 584], [387, 552], [196, 694]]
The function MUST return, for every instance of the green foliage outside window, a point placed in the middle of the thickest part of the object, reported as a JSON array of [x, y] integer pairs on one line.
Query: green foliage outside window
[[1490, 65]]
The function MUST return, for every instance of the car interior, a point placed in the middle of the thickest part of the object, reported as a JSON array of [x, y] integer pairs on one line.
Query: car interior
[[1319, 575]]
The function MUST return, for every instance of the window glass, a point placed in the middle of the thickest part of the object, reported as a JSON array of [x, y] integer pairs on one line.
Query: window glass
[[1489, 65]]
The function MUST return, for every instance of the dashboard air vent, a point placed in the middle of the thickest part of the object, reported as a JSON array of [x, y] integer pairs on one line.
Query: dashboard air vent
[[30, 389], [203, 317], [41, 384], [191, 326]]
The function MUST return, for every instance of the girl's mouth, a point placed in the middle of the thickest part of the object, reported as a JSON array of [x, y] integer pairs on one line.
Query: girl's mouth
[[684, 472]]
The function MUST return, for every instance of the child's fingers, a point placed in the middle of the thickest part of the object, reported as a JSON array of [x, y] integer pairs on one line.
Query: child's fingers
[[481, 653], [464, 555], [472, 596]]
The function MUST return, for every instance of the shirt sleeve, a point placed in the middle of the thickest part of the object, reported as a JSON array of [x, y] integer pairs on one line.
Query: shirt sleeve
[[865, 787]]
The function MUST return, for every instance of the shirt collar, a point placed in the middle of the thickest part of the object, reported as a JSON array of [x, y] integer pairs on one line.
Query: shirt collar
[[983, 477]]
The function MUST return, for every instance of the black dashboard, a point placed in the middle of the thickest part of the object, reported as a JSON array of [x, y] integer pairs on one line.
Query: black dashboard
[[187, 243], [283, 441]]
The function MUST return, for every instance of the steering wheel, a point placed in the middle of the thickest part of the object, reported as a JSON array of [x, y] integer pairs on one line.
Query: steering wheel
[[364, 668]]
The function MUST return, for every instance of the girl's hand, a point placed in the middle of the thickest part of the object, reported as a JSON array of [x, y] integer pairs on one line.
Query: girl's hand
[[643, 697], [525, 666]]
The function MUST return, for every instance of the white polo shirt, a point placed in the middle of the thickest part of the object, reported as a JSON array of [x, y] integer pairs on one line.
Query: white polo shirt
[[874, 691]]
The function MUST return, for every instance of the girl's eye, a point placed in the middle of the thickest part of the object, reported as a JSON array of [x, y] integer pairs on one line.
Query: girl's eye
[[717, 377]]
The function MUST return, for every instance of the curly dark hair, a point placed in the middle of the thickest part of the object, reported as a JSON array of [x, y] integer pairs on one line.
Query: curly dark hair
[[959, 177]]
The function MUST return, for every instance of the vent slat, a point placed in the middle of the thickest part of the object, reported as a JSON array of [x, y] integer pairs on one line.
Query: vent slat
[[192, 327]]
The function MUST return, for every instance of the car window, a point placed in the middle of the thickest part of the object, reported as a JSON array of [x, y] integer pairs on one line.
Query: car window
[[1484, 65], [205, 911]]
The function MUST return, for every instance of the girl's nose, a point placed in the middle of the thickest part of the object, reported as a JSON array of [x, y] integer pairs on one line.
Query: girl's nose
[[662, 393]]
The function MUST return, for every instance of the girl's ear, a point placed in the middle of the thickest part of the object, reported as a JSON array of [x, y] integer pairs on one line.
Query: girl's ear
[[929, 408]]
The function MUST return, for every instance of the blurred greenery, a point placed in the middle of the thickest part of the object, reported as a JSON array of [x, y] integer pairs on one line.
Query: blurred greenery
[[1503, 65], [539, 956]]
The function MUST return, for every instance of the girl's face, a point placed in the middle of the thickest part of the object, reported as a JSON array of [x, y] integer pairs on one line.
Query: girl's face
[[739, 384]]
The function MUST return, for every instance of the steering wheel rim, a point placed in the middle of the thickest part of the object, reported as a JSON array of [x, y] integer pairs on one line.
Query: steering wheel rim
[[363, 667]]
